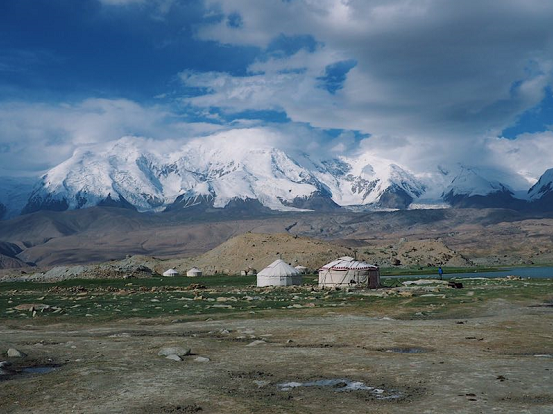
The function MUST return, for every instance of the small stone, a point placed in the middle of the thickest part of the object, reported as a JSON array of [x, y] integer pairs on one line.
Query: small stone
[[174, 350], [255, 343], [5, 364], [289, 341], [32, 307], [14, 353], [201, 359], [174, 357]]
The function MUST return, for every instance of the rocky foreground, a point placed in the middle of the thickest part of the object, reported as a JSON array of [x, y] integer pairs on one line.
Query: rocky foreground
[[132, 346]]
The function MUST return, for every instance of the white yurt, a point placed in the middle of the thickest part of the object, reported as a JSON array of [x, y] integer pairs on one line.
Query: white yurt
[[346, 271], [194, 272], [279, 273], [302, 269], [170, 272]]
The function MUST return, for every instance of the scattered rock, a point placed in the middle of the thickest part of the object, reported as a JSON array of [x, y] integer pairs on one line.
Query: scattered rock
[[173, 357], [41, 307], [174, 350], [202, 359], [15, 353], [257, 342]]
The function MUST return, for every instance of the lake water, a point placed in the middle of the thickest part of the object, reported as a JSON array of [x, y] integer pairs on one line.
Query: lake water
[[532, 272]]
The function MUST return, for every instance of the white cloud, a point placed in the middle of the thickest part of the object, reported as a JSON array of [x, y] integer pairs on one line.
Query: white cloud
[[421, 66], [435, 81], [37, 136], [530, 154]]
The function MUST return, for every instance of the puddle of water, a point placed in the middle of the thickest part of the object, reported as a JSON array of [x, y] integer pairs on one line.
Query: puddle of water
[[340, 385], [38, 370]]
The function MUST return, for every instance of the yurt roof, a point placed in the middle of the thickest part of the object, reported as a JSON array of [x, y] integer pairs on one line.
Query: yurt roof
[[194, 269], [300, 267], [279, 268], [347, 263], [171, 271]]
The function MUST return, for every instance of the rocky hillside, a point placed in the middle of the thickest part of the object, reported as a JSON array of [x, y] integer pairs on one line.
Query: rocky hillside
[[255, 251]]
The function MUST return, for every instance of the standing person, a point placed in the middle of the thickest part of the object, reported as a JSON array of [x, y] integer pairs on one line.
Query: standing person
[[440, 272]]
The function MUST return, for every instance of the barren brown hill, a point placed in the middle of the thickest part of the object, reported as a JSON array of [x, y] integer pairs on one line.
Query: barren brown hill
[[95, 235], [256, 251]]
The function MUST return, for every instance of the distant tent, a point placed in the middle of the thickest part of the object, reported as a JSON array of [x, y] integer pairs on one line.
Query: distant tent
[[194, 272], [279, 273], [302, 269], [346, 271], [170, 272]]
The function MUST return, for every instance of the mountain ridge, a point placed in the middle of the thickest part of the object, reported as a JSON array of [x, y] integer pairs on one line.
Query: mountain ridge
[[233, 171]]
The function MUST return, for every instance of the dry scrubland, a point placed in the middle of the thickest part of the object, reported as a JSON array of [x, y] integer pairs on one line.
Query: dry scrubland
[[112, 336], [255, 251], [486, 237], [236, 348]]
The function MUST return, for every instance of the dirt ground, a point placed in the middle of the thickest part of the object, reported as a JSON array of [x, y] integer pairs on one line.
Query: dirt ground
[[498, 360]]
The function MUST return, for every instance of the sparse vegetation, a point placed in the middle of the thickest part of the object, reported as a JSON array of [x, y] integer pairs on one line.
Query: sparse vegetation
[[100, 300]]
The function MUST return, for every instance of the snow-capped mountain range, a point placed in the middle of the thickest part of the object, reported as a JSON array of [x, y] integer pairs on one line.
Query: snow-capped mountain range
[[220, 170]]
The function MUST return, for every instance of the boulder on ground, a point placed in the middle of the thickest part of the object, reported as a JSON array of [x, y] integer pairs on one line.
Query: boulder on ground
[[15, 353], [174, 350]]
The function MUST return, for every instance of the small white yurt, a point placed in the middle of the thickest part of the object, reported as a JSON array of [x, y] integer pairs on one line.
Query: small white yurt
[[170, 272], [194, 272], [301, 269], [346, 271], [279, 273]]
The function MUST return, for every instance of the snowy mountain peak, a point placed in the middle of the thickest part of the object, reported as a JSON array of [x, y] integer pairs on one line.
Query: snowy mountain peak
[[543, 187], [138, 173], [471, 182]]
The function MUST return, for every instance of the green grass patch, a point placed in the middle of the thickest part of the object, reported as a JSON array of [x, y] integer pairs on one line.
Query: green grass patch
[[229, 296]]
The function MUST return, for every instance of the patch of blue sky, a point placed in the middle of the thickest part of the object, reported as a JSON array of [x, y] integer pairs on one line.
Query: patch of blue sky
[[289, 45], [536, 119], [266, 116], [335, 75], [335, 133], [106, 52], [234, 20]]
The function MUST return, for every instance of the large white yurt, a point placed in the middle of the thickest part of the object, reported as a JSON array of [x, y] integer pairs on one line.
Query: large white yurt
[[170, 272], [279, 273], [194, 272], [346, 271]]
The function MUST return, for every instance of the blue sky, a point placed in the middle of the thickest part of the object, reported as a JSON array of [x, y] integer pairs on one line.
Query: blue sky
[[422, 83]]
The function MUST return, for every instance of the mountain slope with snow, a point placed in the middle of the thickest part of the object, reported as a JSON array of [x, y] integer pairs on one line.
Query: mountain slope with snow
[[234, 165], [241, 170], [540, 194], [543, 188], [481, 188], [14, 194]]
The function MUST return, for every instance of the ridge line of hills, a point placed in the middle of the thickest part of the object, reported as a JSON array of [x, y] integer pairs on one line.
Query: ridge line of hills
[[232, 174]]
